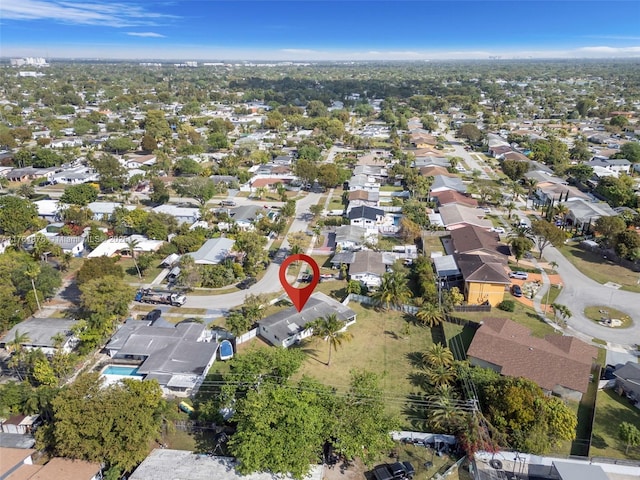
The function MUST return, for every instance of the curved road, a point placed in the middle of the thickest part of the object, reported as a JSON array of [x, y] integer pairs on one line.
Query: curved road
[[270, 282], [580, 291]]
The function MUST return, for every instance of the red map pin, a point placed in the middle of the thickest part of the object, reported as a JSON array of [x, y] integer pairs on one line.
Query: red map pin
[[299, 296]]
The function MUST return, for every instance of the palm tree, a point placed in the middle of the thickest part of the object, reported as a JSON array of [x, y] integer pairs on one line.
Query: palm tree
[[530, 184], [446, 415], [510, 207], [553, 265], [332, 331], [393, 290], [438, 355], [443, 391], [562, 211], [440, 375], [430, 315], [25, 190], [19, 339], [132, 243], [261, 192], [32, 272]]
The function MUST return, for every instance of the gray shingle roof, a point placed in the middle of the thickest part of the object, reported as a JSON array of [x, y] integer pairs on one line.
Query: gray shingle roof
[[214, 251], [41, 330], [289, 322]]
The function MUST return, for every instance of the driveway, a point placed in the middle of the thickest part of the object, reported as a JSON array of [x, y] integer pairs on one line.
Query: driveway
[[270, 282], [580, 292]]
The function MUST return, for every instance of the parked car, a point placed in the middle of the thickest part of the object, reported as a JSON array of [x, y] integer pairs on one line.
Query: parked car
[[395, 471], [153, 315], [519, 275], [516, 291], [227, 203], [246, 283], [498, 230]]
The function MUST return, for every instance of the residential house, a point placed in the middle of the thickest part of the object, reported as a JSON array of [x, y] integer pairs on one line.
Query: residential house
[[196, 466], [455, 215], [367, 217], [19, 464], [628, 380], [582, 212], [517, 156], [115, 245], [475, 240], [434, 170], [544, 177], [364, 182], [444, 182], [378, 172], [447, 197], [46, 334], [48, 209], [181, 214], [245, 216], [558, 364], [137, 161], [68, 142], [358, 198], [431, 160], [104, 210], [368, 268], [498, 151], [349, 237], [69, 244], [75, 176], [20, 424], [547, 192], [618, 166], [213, 252], [287, 327], [485, 278], [177, 356], [422, 139], [31, 173]]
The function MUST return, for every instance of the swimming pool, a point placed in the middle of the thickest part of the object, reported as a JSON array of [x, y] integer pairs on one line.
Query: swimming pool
[[121, 371]]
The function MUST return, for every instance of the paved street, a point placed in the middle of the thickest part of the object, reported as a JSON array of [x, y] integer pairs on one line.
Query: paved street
[[580, 291], [470, 160]]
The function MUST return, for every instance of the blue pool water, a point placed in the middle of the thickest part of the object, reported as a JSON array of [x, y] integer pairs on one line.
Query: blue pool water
[[126, 371]]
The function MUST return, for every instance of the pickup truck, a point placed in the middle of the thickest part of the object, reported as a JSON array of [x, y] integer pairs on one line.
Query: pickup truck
[[163, 298]]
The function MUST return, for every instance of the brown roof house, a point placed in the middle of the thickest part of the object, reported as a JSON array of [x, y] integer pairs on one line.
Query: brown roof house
[[558, 364], [17, 464], [451, 196]]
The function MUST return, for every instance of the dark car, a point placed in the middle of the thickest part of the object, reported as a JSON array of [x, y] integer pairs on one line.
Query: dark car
[[246, 283], [516, 291], [382, 472], [153, 315], [395, 471]]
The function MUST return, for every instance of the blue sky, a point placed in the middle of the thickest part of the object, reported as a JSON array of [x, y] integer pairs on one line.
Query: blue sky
[[319, 30]]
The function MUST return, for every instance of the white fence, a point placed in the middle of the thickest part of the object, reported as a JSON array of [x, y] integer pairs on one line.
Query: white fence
[[370, 301], [246, 336]]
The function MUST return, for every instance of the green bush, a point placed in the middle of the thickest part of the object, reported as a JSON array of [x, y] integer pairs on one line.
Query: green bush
[[507, 305]]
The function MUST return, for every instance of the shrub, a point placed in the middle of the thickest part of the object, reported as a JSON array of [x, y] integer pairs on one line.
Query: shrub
[[507, 305]]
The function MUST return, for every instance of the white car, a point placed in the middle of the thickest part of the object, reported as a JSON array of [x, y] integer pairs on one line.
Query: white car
[[519, 275], [498, 230]]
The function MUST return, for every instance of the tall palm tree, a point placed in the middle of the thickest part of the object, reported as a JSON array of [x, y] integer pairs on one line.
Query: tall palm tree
[[430, 315], [446, 415], [32, 272], [530, 184], [15, 345], [25, 190], [437, 354], [132, 243], [510, 207], [393, 290], [331, 330], [440, 374]]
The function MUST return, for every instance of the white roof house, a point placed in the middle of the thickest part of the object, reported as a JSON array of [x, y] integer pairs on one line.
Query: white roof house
[[214, 251], [101, 209], [48, 209], [181, 214], [114, 245]]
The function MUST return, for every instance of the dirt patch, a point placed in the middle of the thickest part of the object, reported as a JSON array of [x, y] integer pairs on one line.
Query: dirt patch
[[352, 471]]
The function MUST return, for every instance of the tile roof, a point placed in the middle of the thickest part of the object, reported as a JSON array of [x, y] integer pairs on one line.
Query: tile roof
[[451, 196], [482, 269], [475, 239], [550, 362]]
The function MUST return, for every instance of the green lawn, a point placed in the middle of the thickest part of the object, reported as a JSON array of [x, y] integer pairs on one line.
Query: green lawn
[[432, 243], [593, 313], [599, 269], [523, 315], [611, 410], [131, 274], [383, 342]]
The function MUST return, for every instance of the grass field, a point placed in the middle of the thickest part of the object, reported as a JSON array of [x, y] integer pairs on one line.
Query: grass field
[[600, 269], [593, 313], [383, 342], [131, 274], [432, 243], [611, 410]]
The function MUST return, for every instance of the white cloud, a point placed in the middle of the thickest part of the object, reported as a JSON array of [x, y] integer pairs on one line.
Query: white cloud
[[146, 34], [87, 13]]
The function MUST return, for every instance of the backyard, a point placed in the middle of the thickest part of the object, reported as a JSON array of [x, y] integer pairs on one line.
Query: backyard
[[611, 411], [383, 342]]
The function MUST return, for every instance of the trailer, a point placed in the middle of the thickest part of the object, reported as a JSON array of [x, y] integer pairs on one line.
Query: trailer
[[148, 295]]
